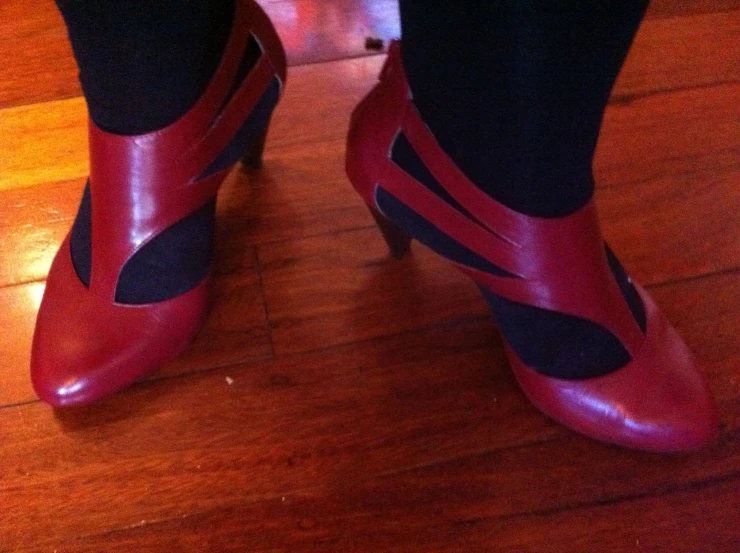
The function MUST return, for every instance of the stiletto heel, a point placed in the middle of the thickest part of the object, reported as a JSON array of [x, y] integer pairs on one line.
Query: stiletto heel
[[658, 400], [398, 241], [96, 331], [253, 158]]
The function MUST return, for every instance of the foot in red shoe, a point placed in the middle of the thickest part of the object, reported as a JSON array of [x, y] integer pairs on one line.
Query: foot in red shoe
[[657, 399], [128, 289]]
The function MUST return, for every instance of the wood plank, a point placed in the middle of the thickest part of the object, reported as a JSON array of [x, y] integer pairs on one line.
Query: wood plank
[[279, 426], [650, 224], [342, 288], [33, 222], [672, 8], [685, 522], [315, 31], [37, 65], [668, 134], [382, 439], [18, 306], [44, 143], [668, 54]]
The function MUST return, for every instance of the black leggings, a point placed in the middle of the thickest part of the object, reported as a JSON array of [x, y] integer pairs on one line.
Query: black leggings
[[143, 63]]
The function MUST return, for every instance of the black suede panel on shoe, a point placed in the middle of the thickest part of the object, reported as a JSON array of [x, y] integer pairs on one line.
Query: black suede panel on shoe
[[404, 155], [556, 344], [628, 289]]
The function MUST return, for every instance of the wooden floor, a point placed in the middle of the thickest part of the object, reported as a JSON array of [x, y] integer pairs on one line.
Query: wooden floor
[[337, 400]]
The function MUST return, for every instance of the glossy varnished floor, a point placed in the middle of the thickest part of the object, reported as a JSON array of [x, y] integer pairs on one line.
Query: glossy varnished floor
[[337, 400]]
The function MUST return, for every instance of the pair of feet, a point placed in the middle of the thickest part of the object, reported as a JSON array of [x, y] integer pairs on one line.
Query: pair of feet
[[129, 287]]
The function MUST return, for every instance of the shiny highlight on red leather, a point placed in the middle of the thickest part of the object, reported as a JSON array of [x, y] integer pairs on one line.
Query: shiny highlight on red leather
[[659, 401], [86, 346]]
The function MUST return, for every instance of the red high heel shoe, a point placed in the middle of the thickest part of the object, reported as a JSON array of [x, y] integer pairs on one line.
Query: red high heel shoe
[[87, 345], [658, 401]]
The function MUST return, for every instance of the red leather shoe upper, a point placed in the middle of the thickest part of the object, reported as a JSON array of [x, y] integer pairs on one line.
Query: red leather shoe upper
[[86, 346], [557, 264], [143, 184]]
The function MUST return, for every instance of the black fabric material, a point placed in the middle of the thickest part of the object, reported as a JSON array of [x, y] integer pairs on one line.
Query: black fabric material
[[515, 91], [172, 263], [179, 258], [80, 241], [628, 289], [556, 344], [249, 59], [143, 64], [404, 155]]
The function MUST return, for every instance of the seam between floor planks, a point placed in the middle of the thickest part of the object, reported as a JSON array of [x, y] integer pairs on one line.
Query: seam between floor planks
[[628, 98], [626, 498], [565, 435]]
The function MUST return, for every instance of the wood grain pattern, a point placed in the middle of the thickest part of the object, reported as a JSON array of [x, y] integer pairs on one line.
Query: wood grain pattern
[[37, 63], [375, 440], [45, 142], [337, 400], [680, 522]]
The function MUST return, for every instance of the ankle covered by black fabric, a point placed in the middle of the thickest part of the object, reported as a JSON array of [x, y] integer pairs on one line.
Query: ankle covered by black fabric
[[514, 91], [144, 64]]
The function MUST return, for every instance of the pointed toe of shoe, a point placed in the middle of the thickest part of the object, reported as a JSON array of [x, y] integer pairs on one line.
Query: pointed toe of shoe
[[86, 348], [659, 401], [65, 369]]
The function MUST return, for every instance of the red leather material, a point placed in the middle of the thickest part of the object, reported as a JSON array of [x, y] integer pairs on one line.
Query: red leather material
[[85, 345], [659, 401], [104, 344]]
